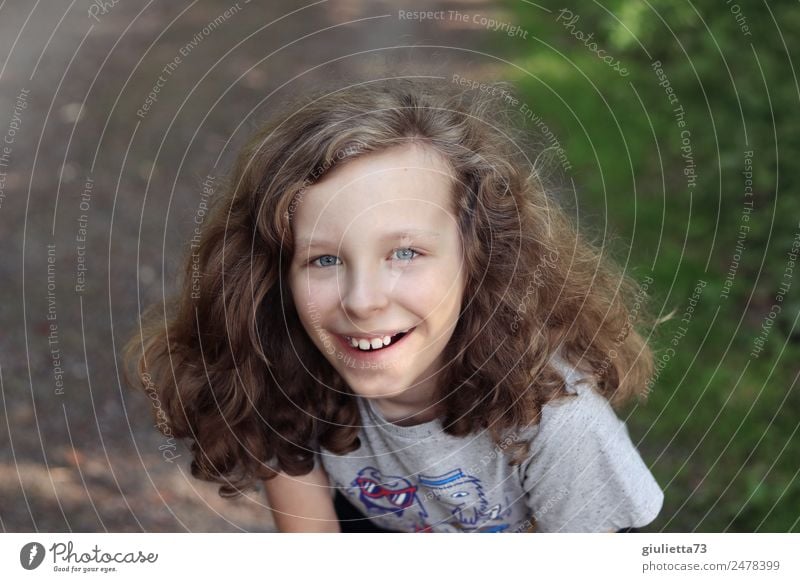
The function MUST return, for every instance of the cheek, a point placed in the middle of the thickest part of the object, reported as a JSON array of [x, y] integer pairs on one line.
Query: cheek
[[433, 294], [303, 287], [303, 298], [446, 280], [315, 297]]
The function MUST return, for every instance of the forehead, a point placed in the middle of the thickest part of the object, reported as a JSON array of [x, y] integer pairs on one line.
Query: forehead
[[407, 186]]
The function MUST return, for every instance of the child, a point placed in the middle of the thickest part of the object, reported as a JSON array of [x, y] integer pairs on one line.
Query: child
[[387, 304]]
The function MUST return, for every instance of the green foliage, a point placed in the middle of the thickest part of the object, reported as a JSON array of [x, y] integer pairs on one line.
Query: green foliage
[[719, 421]]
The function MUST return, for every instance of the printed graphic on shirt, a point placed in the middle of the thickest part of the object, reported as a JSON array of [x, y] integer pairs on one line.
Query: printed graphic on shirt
[[386, 494], [458, 493], [464, 497]]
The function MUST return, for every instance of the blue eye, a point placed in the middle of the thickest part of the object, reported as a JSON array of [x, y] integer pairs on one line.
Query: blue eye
[[314, 262], [409, 258], [410, 255]]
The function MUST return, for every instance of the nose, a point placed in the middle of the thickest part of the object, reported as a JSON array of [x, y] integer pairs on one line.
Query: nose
[[364, 293]]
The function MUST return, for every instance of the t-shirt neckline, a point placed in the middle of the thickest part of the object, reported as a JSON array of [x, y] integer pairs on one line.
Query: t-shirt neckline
[[424, 429]]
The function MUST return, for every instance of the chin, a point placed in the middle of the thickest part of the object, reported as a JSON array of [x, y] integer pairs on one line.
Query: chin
[[374, 388]]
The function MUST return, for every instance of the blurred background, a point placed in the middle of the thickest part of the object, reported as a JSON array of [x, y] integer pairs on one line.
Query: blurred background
[[669, 129]]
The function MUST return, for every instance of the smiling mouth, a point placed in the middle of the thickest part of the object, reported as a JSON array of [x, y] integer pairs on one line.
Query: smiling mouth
[[364, 346]]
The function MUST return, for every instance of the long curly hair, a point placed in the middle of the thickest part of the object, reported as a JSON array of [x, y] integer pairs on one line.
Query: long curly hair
[[234, 371]]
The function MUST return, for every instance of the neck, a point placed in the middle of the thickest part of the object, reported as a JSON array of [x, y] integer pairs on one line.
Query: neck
[[406, 417], [413, 406]]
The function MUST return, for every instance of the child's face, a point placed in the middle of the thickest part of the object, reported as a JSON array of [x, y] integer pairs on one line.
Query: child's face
[[362, 279]]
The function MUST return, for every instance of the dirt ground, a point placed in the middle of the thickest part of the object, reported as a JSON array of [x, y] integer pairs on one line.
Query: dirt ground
[[100, 188]]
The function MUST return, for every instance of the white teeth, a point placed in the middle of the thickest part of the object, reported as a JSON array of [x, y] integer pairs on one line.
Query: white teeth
[[366, 344], [373, 343]]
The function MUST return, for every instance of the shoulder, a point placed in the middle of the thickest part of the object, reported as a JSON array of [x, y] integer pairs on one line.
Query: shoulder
[[585, 410], [584, 473], [567, 413]]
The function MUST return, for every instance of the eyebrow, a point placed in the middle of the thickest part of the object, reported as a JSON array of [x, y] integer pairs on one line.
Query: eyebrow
[[306, 243]]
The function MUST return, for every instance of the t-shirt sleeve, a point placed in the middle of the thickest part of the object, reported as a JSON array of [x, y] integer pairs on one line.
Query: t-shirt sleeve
[[584, 473], [319, 463]]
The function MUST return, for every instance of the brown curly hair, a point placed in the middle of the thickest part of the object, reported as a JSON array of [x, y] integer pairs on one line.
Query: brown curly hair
[[236, 373]]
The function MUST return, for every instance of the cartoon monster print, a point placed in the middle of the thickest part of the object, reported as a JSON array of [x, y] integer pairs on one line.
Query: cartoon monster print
[[464, 496], [384, 494]]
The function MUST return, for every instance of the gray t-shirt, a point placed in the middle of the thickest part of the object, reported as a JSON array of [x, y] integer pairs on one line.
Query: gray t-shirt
[[583, 473]]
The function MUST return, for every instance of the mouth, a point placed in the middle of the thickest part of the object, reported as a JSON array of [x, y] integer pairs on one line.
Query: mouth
[[364, 348]]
